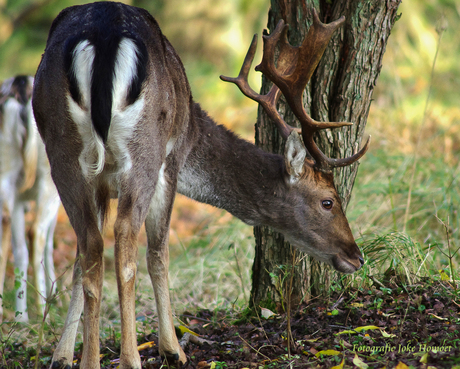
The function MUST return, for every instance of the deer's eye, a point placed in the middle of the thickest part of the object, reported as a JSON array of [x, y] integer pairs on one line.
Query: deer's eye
[[327, 204]]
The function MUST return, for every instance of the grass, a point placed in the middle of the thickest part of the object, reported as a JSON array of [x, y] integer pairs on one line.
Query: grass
[[211, 272], [381, 210]]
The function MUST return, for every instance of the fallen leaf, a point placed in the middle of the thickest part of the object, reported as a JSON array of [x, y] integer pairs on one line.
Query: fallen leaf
[[145, 345], [366, 327], [313, 351], [387, 335], [437, 317], [183, 329], [359, 363], [266, 313], [328, 353], [401, 365], [348, 331], [424, 358]]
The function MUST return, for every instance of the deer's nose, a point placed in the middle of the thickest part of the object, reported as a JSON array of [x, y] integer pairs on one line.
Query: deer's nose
[[361, 260]]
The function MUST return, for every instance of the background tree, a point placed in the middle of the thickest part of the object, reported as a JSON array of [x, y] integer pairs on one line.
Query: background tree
[[340, 90]]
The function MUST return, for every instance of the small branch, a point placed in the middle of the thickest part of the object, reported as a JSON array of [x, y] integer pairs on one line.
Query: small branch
[[376, 281], [190, 338], [257, 351], [337, 303], [450, 255]]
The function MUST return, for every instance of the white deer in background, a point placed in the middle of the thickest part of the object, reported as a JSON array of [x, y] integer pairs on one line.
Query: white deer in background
[[114, 108], [25, 177]]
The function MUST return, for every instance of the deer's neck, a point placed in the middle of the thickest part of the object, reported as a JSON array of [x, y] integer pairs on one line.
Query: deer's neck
[[232, 174]]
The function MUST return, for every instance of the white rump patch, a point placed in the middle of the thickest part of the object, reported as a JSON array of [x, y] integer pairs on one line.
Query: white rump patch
[[92, 157], [124, 118], [125, 71]]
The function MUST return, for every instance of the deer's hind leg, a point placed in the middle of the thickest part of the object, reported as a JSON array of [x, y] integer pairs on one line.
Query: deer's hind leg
[[79, 200]]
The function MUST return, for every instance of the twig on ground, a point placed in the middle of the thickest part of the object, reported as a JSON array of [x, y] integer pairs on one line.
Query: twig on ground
[[337, 303], [190, 338], [375, 280], [257, 351]]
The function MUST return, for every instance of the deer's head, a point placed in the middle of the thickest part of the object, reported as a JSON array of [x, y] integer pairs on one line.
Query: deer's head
[[319, 227]]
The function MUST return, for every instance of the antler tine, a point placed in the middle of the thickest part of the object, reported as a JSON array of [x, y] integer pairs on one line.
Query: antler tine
[[288, 57], [267, 101], [335, 163], [324, 163]]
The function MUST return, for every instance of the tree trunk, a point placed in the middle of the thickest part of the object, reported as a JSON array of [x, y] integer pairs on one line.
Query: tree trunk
[[340, 90]]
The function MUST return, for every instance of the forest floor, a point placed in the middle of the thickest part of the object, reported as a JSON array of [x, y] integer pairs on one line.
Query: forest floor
[[414, 326]]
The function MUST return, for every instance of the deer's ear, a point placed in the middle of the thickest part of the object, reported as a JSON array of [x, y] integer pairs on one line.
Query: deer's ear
[[294, 156]]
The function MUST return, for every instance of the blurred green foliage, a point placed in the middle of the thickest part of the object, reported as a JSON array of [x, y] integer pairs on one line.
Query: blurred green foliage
[[408, 60]]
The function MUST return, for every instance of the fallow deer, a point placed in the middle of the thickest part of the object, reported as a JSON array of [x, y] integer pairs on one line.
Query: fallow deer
[[114, 108], [25, 177]]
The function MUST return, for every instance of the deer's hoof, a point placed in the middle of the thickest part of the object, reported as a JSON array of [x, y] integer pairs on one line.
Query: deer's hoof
[[176, 359], [61, 364]]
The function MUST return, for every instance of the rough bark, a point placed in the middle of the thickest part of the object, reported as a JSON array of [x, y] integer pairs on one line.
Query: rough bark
[[340, 90]]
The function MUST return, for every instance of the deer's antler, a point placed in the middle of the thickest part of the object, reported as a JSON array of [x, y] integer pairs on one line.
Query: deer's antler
[[295, 66]]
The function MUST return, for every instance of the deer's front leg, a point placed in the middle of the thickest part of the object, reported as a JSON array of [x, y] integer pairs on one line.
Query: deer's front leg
[[157, 227]]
